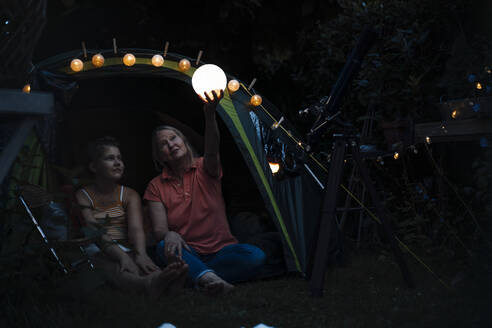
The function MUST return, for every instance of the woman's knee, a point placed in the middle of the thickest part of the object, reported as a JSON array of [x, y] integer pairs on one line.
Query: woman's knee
[[256, 257]]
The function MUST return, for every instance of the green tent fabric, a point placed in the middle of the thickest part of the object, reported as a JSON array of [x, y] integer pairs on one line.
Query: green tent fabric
[[293, 202]]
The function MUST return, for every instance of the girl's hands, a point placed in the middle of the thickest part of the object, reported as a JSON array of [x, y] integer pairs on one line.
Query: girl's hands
[[145, 263]]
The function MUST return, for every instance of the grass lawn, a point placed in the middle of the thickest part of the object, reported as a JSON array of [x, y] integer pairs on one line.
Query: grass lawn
[[368, 291]]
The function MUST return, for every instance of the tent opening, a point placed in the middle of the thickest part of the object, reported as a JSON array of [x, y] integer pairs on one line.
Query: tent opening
[[129, 109]]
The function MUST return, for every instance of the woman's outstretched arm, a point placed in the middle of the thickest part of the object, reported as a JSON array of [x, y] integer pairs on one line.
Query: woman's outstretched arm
[[211, 157]]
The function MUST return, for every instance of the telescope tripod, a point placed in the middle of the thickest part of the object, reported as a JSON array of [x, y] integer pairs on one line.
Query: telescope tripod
[[326, 245]]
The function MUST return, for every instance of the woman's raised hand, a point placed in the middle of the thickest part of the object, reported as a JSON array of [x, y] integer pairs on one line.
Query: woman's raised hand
[[174, 244], [209, 104]]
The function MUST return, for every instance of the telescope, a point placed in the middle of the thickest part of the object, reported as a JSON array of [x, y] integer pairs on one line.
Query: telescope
[[327, 110]]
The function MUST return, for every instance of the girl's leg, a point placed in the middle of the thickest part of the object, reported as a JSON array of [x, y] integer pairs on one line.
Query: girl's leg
[[122, 280], [154, 284], [238, 262]]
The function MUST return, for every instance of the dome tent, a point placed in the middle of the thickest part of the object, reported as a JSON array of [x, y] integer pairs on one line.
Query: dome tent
[[292, 200]]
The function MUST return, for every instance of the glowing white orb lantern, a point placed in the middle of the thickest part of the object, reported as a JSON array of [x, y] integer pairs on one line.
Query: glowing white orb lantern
[[207, 78]]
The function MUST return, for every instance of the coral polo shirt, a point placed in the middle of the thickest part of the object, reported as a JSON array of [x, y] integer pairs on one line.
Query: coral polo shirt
[[195, 209]]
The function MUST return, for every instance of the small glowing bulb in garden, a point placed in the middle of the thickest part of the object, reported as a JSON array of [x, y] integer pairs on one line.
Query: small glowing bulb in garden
[[184, 65], [157, 60], [275, 167], [26, 88], [233, 86], [479, 86], [454, 113], [208, 78], [255, 100], [76, 65], [129, 60], [98, 60], [396, 156], [428, 140]]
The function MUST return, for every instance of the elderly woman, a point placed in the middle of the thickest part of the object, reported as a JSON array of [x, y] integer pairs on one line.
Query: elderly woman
[[116, 212], [188, 211]]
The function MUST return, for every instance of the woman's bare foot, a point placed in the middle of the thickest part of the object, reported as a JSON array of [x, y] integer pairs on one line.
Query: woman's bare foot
[[213, 285]]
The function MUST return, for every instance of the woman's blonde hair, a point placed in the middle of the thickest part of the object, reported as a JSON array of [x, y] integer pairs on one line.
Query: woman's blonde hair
[[155, 151]]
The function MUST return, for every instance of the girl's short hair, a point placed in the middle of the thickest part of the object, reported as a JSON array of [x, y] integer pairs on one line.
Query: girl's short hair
[[155, 151], [96, 148]]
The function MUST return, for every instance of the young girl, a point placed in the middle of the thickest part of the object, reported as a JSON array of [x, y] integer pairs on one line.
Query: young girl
[[116, 212]]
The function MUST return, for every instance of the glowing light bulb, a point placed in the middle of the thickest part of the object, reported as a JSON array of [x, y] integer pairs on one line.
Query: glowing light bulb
[[255, 100], [26, 88], [98, 60], [275, 167], [454, 113], [129, 60], [157, 60], [396, 156], [428, 140], [233, 86], [207, 78], [478, 86], [76, 65], [184, 65]]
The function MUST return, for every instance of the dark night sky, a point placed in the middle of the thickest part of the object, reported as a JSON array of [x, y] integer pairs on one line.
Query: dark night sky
[[227, 38]]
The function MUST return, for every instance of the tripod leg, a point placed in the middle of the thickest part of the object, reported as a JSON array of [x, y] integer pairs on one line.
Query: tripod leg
[[361, 215], [380, 212], [325, 244], [347, 198]]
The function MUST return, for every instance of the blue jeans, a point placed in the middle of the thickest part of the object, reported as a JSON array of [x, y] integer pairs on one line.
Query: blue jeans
[[233, 263]]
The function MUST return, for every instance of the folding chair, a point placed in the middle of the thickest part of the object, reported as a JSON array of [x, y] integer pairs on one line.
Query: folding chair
[[33, 196]]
